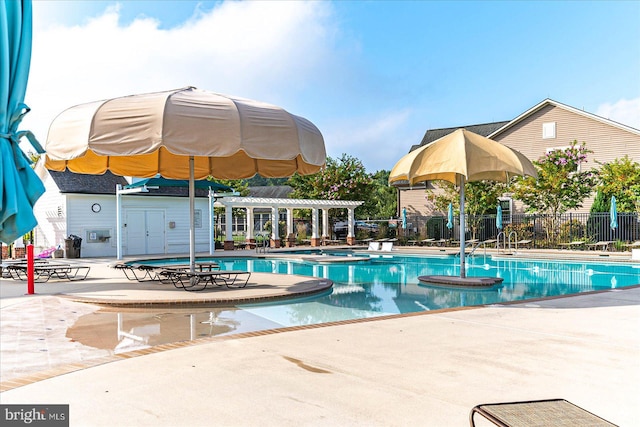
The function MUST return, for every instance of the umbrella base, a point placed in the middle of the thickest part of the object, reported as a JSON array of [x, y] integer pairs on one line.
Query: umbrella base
[[462, 282]]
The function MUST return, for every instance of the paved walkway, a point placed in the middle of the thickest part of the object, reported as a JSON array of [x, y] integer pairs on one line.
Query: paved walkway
[[425, 369]]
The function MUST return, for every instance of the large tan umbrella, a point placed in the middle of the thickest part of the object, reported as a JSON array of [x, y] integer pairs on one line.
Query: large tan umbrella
[[459, 157], [185, 133]]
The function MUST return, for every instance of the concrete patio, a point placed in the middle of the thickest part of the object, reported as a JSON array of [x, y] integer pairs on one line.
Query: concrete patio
[[420, 369]]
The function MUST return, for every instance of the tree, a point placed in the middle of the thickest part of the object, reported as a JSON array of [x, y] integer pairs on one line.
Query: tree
[[341, 179], [562, 184], [481, 198], [621, 178], [382, 202]]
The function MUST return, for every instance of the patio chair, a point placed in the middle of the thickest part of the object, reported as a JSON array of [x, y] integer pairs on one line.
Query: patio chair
[[200, 280], [525, 242], [602, 244], [136, 272], [573, 244], [633, 245], [43, 271], [374, 246], [387, 246], [552, 412]]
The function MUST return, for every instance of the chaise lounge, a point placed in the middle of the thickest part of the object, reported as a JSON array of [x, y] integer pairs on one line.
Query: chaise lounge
[[200, 280], [552, 412]]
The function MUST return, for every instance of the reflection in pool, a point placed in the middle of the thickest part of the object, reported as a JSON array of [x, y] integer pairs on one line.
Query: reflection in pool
[[372, 286]]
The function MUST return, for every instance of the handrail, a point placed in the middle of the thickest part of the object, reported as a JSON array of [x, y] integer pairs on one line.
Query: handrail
[[516, 239], [504, 241]]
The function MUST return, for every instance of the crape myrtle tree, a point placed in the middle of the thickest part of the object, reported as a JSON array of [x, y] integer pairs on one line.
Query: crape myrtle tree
[[563, 183], [481, 198], [342, 179]]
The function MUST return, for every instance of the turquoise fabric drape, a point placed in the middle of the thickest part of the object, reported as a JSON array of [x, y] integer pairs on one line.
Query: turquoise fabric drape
[[20, 187], [613, 213], [450, 217]]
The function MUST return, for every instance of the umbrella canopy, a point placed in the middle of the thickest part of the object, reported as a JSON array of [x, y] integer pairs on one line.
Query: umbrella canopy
[[462, 153], [499, 217], [185, 133], [613, 213], [20, 187], [450, 216], [157, 133], [459, 157], [163, 182]]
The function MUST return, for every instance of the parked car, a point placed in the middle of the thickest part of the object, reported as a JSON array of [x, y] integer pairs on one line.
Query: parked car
[[341, 228]]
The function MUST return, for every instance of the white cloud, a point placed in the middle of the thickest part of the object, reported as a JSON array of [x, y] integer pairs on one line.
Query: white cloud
[[625, 111], [261, 50], [379, 141]]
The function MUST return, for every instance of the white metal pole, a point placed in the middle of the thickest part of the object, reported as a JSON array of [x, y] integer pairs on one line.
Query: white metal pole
[[118, 222], [192, 208], [462, 227], [212, 224]]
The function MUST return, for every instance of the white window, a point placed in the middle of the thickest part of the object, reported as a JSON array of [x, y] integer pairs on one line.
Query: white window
[[549, 130]]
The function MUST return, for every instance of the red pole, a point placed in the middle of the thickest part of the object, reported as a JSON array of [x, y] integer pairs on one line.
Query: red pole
[[30, 274]]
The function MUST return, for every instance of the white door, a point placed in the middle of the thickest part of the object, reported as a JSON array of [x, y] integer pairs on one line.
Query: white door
[[155, 232], [145, 231]]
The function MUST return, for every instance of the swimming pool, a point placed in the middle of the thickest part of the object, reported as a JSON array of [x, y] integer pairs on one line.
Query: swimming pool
[[375, 285], [369, 286]]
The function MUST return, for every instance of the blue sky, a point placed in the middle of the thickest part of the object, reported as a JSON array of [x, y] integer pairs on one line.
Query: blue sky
[[373, 76]]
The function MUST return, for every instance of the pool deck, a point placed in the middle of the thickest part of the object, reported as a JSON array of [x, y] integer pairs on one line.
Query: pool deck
[[425, 369]]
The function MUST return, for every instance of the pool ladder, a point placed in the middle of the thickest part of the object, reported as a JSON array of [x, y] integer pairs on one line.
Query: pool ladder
[[506, 238]]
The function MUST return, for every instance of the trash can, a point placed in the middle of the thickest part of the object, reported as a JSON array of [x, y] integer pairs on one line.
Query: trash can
[[72, 246]]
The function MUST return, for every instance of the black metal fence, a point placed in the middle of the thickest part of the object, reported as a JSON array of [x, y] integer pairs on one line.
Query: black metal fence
[[545, 231]]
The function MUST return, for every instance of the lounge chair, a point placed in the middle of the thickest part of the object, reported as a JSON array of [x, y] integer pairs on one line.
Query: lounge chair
[[525, 242], [137, 272], [200, 280], [387, 246], [574, 244], [602, 244], [633, 245], [374, 246], [427, 241], [43, 271], [552, 412]]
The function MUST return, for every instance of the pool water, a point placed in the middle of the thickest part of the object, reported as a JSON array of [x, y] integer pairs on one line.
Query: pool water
[[372, 286]]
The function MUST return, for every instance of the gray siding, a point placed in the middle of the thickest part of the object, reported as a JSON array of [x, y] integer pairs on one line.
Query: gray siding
[[607, 141]]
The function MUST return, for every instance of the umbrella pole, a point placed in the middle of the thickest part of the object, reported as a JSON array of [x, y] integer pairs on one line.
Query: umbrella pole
[[192, 228], [462, 227]]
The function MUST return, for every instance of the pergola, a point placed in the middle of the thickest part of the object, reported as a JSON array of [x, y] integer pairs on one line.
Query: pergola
[[250, 203]]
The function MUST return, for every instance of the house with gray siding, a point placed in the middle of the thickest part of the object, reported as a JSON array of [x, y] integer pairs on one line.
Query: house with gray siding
[[546, 126]]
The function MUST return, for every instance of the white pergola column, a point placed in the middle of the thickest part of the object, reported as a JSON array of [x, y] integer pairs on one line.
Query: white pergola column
[[290, 233], [228, 228], [315, 240], [289, 221], [351, 235], [325, 224], [275, 238], [249, 234]]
